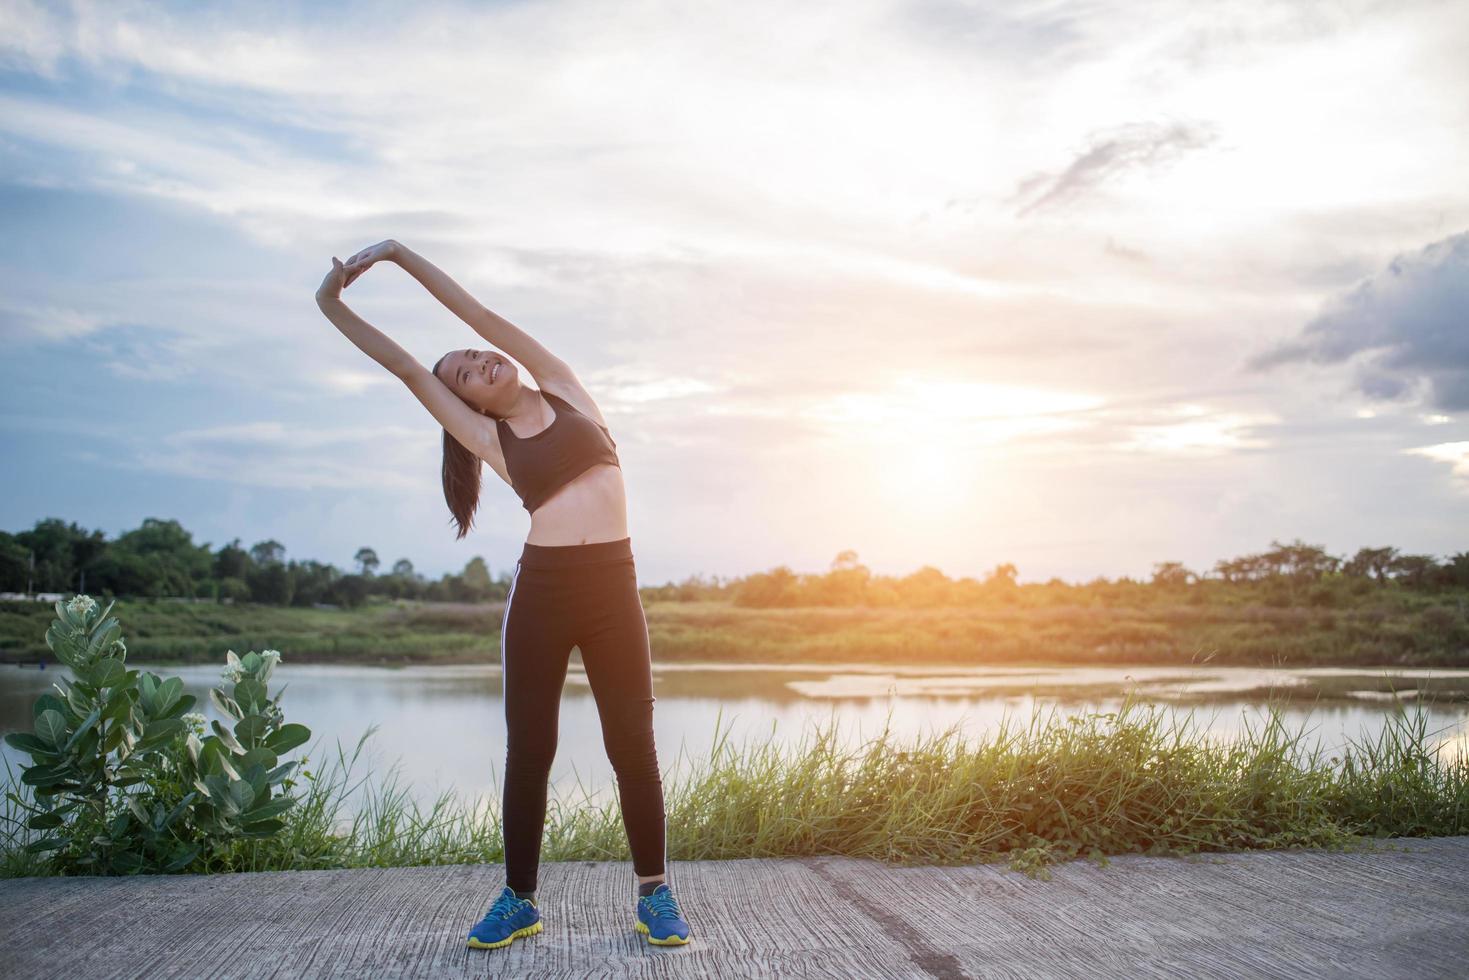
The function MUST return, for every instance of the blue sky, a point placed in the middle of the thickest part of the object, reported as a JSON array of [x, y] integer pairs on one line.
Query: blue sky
[[1080, 287]]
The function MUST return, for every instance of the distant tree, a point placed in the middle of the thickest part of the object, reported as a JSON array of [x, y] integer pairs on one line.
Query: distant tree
[[403, 568], [269, 552], [15, 559], [1456, 570], [926, 587], [1300, 561], [766, 589], [231, 561], [476, 578], [367, 561], [1002, 575], [844, 585], [1373, 563], [349, 591], [61, 551], [1172, 574], [311, 582], [271, 583], [1415, 571], [177, 565]]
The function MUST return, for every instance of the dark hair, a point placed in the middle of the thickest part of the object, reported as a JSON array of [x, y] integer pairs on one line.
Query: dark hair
[[461, 472]]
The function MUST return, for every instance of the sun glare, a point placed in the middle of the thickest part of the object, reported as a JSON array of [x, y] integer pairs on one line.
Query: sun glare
[[943, 435]]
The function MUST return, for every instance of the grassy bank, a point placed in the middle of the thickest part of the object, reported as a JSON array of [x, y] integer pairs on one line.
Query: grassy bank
[[1403, 633], [1052, 789]]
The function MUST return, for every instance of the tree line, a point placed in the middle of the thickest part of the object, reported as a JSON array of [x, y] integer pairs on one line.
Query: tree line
[[1285, 574], [160, 559]]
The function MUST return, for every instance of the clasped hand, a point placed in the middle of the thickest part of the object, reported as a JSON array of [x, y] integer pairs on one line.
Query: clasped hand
[[343, 275]]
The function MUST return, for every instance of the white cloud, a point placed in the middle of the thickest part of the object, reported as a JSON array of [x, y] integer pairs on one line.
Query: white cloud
[[46, 322], [275, 454], [1456, 454]]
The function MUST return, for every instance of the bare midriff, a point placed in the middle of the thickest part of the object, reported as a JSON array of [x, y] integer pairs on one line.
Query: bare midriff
[[590, 509]]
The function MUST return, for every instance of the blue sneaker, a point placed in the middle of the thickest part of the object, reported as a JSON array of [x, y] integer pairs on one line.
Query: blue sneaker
[[510, 918], [660, 920]]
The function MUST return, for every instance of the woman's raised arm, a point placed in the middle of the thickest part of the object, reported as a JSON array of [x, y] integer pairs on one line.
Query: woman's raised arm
[[540, 362], [369, 339]]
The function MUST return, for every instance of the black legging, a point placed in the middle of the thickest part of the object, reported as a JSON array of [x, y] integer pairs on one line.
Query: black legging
[[586, 596]]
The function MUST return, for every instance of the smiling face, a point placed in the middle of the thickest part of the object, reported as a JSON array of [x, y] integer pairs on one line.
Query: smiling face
[[484, 379]]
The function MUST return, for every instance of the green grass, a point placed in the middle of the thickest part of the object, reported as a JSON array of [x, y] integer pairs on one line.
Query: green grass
[[1402, 632], [1031, 794]]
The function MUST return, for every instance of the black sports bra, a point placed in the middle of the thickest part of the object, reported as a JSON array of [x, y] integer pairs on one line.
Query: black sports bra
[[541, 464]]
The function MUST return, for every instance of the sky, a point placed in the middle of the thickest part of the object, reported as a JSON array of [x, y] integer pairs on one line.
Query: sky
[[1082, 287]]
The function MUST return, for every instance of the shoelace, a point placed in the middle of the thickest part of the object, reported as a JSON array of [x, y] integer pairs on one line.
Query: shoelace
[[663, 905], [505, 906]]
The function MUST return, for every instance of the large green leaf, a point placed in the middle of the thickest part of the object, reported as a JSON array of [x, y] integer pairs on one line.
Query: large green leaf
[[163, 727], [219, 792], [51, 726], [114, 737], [225, 704], [227, 737], [44, 776], [264, 828], [226, 766], [107, 672], [280, 772], [255, 776], [83, 728], [44, 821], [118, 708], [47, 702], [103, 636], [250, 728], [63, 643], [267, 810], [242, 794], [168, 693], [32, 744], [288, 737], [250, 693], [159, 732], [180, 707], [86, 747], [259, 756], [78, 700], [178, 810], [44, 844]]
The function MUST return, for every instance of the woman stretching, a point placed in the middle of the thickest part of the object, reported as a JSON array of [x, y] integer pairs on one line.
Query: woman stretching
[[574, 585]]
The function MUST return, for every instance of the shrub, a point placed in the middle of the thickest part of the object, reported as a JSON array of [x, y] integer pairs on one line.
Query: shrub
[[120, 780]]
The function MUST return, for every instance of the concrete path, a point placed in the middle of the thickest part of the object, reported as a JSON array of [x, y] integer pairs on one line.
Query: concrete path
[[1390, 913]]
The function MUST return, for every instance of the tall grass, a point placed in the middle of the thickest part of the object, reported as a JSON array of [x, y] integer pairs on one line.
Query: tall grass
[[1032, 793]]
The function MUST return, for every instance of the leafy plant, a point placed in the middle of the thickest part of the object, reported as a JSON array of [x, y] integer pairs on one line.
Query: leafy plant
[[121, 781]]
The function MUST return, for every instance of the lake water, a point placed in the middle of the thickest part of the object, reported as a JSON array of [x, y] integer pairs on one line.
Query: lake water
[[444, 726]]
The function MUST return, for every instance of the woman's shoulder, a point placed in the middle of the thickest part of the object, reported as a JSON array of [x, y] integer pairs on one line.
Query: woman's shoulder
[[577, 400]]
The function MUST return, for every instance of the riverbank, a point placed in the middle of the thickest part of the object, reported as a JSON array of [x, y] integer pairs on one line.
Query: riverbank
[[403, 632], [1398, 911], [1033, 792]]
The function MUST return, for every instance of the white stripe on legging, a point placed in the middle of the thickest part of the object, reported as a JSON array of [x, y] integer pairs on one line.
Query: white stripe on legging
[[504, 661]]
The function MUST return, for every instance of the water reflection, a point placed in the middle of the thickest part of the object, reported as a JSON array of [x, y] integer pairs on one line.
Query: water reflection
[[444, 726]]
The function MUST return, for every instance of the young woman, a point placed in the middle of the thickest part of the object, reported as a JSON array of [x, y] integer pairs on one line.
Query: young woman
[[574, 585]]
